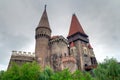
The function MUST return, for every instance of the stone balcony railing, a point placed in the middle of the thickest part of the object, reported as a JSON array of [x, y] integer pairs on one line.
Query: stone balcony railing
[[68, 59]]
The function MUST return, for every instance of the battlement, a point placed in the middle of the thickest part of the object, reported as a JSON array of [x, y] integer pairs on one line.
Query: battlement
[[23, 53], [58, 38]]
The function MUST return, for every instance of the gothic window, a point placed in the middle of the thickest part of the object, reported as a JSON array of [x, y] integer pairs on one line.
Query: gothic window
[[65, 54], [60, 55], [72, 50], [86, 65], [85, 55], [93, 60], [85, 50], [54, 57], [69, 53]]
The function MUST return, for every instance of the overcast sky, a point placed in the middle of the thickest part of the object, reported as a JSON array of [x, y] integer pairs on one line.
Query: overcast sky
[[19, 18]]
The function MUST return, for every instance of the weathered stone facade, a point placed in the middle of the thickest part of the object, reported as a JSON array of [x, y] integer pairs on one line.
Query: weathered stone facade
[[20, 57], [59, 53]]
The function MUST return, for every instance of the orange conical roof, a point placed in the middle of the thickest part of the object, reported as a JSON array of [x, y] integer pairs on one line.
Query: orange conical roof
[[75, 26], [72, 44], [89, 46], [44, 22]]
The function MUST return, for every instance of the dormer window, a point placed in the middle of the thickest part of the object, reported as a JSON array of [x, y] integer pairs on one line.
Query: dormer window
[[85, 55], [86, 65]]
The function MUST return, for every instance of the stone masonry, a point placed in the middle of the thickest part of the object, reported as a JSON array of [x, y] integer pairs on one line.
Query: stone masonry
[[59, 53]]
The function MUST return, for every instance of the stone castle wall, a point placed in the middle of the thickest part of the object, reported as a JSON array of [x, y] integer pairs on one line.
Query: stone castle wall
[[20, 57]]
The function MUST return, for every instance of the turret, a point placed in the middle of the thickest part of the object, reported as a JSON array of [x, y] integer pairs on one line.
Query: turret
[[79, 39], [59, 49], [42, 37]]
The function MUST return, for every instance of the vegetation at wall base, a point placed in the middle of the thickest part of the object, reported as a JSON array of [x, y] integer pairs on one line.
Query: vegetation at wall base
[[107, 70]]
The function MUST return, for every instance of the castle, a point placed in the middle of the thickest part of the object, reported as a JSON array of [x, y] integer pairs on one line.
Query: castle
[[59, 53]]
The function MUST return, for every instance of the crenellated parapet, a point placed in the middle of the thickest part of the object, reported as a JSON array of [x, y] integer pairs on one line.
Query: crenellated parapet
[[23, 53], [58, 39], [42, 34], [21, 57]]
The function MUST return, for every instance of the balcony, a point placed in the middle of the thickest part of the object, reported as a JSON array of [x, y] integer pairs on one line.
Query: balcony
[[68, 59]]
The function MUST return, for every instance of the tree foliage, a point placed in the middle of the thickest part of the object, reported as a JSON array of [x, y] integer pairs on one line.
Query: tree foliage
[[1, 74], [46, 74], [108, 70], [67, 75], [31, 71], [28, 71]]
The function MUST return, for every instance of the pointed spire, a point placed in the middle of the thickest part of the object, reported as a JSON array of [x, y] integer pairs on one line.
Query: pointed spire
[[72, 44], [75, 26], [44, 22], [45, 6]]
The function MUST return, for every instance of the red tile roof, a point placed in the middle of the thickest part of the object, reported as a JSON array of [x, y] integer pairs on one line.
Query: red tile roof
[[90, 47], [75, 26], [72, 44]]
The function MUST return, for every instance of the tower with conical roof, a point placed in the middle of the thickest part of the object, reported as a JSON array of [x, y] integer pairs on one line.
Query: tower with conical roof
[[59, 53], [42, 37], [79, 38]]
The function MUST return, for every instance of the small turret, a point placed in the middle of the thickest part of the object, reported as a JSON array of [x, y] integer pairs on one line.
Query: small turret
[[78, 41], [42, 36]]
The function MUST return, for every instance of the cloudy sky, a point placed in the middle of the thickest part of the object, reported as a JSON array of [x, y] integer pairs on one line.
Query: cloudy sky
[[19, 18]]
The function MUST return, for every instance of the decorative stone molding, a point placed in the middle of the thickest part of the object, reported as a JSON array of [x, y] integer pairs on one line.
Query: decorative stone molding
[[68, 59]]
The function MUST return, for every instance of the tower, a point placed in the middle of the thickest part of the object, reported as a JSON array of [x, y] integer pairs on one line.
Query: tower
[[59, 50], [79, 38], [42, 37]]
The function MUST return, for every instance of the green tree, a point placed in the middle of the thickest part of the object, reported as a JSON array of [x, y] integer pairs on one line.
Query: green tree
[[46, 74], [67, 75], [108, 70], [62, 75], [78, 75], [12, 73], [28, 71], [1, 74]]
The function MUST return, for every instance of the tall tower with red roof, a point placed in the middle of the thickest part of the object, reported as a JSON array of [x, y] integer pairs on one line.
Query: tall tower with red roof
[[84, 51]]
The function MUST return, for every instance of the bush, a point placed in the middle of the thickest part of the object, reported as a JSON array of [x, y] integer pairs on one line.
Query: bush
[[108, 70]]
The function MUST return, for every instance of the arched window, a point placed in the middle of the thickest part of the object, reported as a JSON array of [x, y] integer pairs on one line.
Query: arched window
[[85, 50], [86, 65], [65, 54]]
